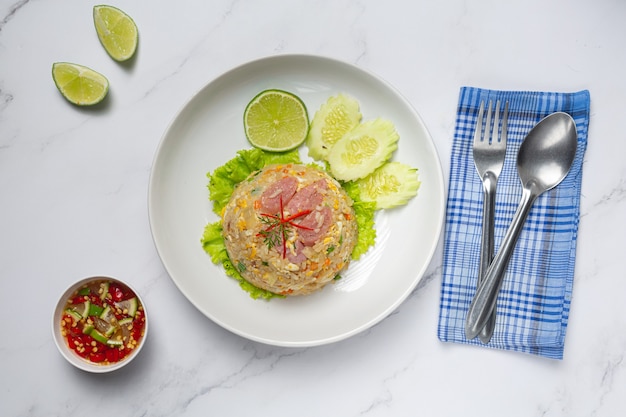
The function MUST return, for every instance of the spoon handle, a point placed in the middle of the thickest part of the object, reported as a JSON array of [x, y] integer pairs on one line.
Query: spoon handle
[[485, 298]]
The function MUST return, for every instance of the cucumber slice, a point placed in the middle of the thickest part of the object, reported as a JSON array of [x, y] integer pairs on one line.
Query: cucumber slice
[[339, 115], [391, 185], [359, 152], [128, 307]]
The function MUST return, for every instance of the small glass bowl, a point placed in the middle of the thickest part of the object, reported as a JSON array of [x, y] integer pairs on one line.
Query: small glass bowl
[[61, 342]]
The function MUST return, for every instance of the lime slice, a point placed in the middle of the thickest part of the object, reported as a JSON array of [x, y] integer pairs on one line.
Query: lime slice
[[117, 32], [78, 84], [276, 121]]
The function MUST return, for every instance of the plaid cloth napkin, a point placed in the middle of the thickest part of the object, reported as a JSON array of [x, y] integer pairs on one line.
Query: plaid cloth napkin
[[534, 300]]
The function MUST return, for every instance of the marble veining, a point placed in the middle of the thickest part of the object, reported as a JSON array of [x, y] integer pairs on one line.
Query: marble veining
[[73, 191]]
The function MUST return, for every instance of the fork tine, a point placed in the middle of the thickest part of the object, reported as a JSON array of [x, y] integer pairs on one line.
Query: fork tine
[[487, 134], [479, 123], [505, 122], [496, 123]]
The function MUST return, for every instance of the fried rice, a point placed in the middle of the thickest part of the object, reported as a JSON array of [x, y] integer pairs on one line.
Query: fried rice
[[289, 229]]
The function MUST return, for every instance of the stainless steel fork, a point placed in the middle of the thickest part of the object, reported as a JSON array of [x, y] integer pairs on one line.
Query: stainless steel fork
[[489, 151]]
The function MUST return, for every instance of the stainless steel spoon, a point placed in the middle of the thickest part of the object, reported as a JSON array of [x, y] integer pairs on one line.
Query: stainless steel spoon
[[544, 159]]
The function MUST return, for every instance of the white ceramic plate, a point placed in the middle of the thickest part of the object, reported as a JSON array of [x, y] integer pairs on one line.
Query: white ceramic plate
[[208, 131]]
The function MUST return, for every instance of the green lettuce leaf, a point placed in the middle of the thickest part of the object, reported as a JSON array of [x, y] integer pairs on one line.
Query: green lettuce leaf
[[364, 212], [223, 180]]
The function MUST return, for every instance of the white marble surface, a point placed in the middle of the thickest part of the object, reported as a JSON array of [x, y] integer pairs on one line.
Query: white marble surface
[[73, 192]]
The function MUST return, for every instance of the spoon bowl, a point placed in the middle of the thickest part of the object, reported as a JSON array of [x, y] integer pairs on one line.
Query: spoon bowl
[[543, 161], [547, 152]]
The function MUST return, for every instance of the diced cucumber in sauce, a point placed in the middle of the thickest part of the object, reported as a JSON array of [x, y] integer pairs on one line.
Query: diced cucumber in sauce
[[104, 289], [125, 321], [129, 306], [95, 310], [391, 185], [339, 115], [98, 336], [74, 314], [88, 328], [81, 309], [115, 342], [106, 314], [103, 326], [359, 152]]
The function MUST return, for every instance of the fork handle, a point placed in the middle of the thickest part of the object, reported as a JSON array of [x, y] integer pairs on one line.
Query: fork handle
[[487, 244]]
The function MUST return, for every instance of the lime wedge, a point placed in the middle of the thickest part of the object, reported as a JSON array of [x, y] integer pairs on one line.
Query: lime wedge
[[78, 84], [276, 121], [117, 32]]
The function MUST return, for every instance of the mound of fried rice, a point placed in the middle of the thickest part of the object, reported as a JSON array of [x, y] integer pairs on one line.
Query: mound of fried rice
[[289, 229]]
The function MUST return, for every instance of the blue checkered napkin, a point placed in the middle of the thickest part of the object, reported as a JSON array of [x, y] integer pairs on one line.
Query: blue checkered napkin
[[534, 300]]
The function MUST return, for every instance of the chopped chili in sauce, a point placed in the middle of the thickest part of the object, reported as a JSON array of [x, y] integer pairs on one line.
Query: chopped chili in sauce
[[103, 321]]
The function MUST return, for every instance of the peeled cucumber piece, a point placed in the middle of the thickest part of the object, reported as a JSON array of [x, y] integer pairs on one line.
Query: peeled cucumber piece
[[391, 185], [339, 115], [363, 149]]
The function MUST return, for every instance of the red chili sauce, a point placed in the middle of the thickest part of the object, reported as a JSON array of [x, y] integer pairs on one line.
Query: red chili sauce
[[103, 321]]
